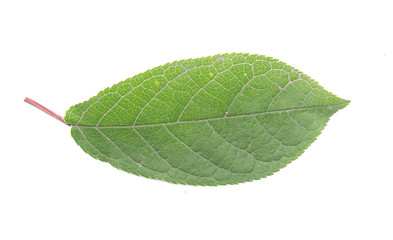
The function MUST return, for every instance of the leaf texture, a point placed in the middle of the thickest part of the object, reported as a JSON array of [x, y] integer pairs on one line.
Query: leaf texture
[[217, 120]]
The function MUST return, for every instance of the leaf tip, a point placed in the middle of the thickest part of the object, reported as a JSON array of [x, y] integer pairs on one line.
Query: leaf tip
[[345, 103]]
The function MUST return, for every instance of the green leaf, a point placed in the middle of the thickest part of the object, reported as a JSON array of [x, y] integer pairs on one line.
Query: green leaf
[[225, 119]]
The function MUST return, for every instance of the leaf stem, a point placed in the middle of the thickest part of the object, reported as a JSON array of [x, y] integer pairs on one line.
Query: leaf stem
[[45, 110]]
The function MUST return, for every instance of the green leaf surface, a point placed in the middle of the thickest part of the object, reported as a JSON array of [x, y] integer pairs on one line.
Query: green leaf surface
[[218, 120]]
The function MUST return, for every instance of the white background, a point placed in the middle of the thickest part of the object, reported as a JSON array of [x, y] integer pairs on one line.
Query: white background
[[60, 53]]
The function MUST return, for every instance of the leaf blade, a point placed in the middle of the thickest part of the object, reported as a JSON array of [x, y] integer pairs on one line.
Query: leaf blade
[[194, 137]]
